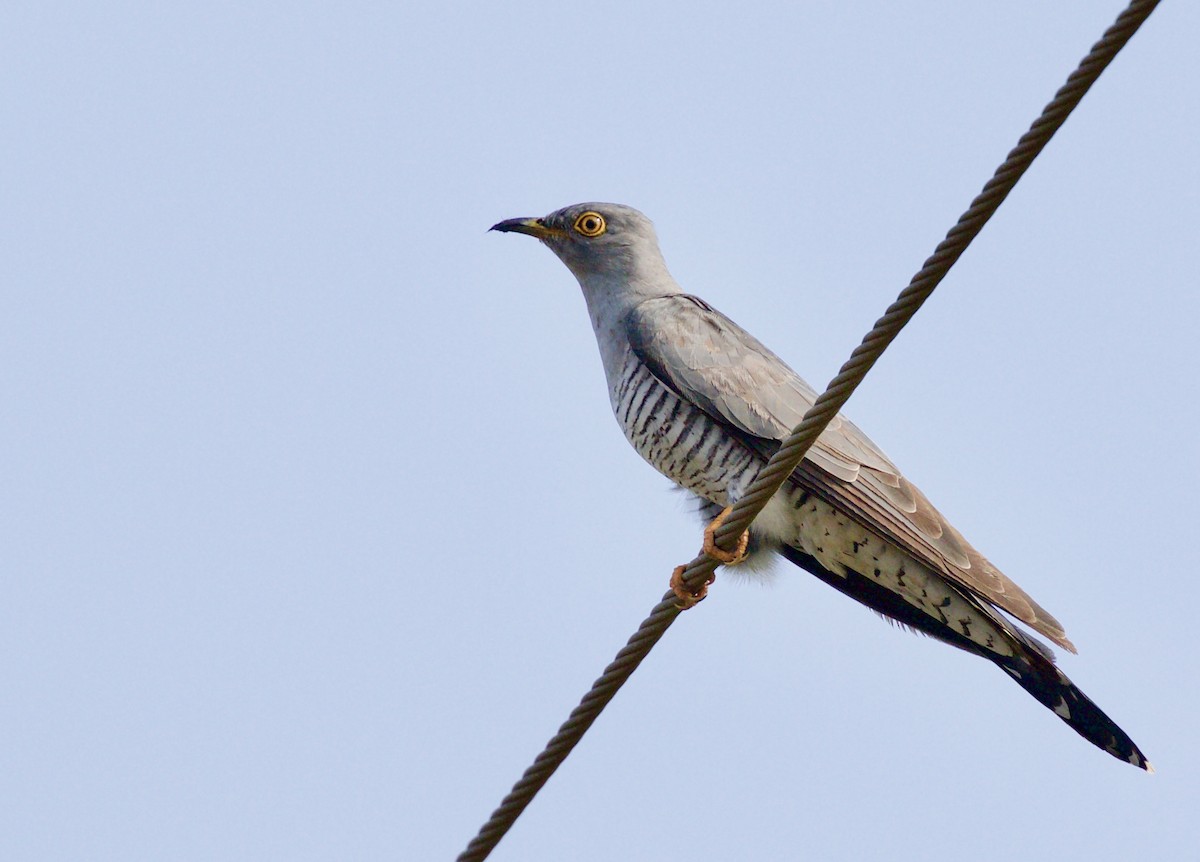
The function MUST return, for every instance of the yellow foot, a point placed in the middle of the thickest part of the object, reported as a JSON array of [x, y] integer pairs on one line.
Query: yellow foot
[[710, 544], [687, 598]]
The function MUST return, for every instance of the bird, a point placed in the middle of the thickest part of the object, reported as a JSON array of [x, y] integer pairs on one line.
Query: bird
[[706, 404]]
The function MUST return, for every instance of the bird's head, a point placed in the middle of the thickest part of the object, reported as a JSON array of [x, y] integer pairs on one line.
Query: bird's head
[[597, 240]]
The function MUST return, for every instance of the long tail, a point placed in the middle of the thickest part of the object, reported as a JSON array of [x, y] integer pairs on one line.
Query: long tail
[[1054, 690], [1033, 667]]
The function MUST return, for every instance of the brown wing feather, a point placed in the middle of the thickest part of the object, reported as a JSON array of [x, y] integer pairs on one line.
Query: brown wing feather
[[922, 531], [727, 372]]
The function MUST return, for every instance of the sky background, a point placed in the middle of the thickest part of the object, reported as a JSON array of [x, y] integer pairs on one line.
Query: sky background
[[314, 520]]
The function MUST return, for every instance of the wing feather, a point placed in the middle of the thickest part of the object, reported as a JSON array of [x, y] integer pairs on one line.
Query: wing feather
[[712, 362]]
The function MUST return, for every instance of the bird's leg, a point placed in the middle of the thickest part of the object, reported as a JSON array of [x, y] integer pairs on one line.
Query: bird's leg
[[710, 543], [688, 598]]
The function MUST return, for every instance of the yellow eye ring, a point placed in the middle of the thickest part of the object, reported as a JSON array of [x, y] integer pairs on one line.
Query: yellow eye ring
[[590, 224]]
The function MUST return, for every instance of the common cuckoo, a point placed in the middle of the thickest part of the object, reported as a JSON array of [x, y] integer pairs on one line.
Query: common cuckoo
[[706, 404]]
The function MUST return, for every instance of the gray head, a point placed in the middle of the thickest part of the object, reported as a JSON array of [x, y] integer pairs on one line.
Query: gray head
[[600, 243]]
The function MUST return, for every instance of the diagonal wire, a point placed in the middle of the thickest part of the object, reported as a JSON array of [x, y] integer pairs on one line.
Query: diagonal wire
[[700, 570]]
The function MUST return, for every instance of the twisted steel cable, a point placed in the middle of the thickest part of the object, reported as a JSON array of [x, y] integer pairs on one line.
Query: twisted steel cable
[[700, 570]]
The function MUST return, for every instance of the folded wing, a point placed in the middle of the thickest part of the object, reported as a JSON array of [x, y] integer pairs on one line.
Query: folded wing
[[712, 362]]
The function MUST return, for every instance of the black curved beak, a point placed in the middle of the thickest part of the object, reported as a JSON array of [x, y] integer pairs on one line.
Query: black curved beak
[[528, 226]]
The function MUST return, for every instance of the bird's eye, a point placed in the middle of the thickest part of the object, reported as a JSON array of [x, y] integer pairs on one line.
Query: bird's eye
[[590, 224]]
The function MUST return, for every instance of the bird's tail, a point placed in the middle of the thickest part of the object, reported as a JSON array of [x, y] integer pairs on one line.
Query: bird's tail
[[1038, 676], [1032, 666]]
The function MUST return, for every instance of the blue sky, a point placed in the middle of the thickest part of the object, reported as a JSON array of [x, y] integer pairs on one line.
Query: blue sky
[[316, 523]]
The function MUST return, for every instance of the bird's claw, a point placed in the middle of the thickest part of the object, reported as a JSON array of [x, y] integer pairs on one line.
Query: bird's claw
[[687, 597], [728, 558]]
